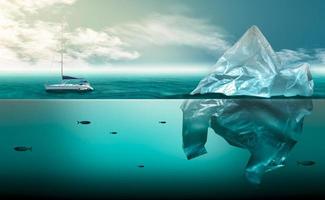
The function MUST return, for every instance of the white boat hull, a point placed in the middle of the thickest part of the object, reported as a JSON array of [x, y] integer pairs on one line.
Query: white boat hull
[[68, 88]]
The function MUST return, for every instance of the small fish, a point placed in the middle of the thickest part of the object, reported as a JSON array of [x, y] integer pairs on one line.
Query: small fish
[[162, 122], [141, 166], [114, 133], [21, 149], [84, 122], [306, 163]]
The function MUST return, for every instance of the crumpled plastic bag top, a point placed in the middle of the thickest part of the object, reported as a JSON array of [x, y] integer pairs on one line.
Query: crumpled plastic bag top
[[252, 68]]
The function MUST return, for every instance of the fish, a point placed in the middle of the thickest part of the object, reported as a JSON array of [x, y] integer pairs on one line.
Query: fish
[[84, 122], [114, 133], [163, 122], [21, 149], [306, 163], [141, 166]]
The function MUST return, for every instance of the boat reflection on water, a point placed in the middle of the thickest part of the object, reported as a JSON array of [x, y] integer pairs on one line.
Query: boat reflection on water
[[267, 128]]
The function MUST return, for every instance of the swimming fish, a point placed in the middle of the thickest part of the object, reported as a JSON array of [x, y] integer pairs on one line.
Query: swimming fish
[[141, 166], [163, 122], [306, 163], [114, 133], [21, 149], [84, 122]]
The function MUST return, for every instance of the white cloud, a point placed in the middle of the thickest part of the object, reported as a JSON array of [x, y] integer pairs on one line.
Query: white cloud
[[320, 55], [314, 56], [22, 41], [20, 7], [288, 56], [37, 41], [93, 46], [163, 30], [30, 42]]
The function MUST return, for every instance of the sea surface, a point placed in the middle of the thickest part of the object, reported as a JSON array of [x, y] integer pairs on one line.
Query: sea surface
[[142, 143], [113, 87]]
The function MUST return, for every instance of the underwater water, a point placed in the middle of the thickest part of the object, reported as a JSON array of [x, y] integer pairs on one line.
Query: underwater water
[[114, 87], [134, 148]]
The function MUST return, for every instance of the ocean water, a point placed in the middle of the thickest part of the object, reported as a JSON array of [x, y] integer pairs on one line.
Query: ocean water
[[145, 159], [114, 87], [106, 87]]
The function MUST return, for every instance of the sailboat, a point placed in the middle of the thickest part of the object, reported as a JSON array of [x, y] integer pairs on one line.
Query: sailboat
[[68, 83]]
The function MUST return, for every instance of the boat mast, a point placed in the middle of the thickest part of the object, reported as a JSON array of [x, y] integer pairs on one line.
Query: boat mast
[[61, 51]]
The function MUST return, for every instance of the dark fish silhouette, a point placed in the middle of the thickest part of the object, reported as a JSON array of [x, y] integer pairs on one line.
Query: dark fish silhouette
[[306, 163], [114, 133], [163, 122], [21, 149], [84, 122], [141, 166]]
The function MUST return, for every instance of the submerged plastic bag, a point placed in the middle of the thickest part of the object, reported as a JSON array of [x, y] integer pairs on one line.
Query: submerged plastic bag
[[267, 128], [252, 68]]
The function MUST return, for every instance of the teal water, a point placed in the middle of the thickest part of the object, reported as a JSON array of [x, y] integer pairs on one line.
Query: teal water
[[86, 161], [113, 87], [106, 87], [70, 160]]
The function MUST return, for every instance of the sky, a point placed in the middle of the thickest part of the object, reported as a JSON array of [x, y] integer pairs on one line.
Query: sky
[[153, 35]]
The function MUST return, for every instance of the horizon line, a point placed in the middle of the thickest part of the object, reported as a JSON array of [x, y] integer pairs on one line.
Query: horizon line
[[136, 70], [109, 70]]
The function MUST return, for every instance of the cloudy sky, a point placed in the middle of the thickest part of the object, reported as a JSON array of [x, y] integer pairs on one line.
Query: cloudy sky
[[151, 34]]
